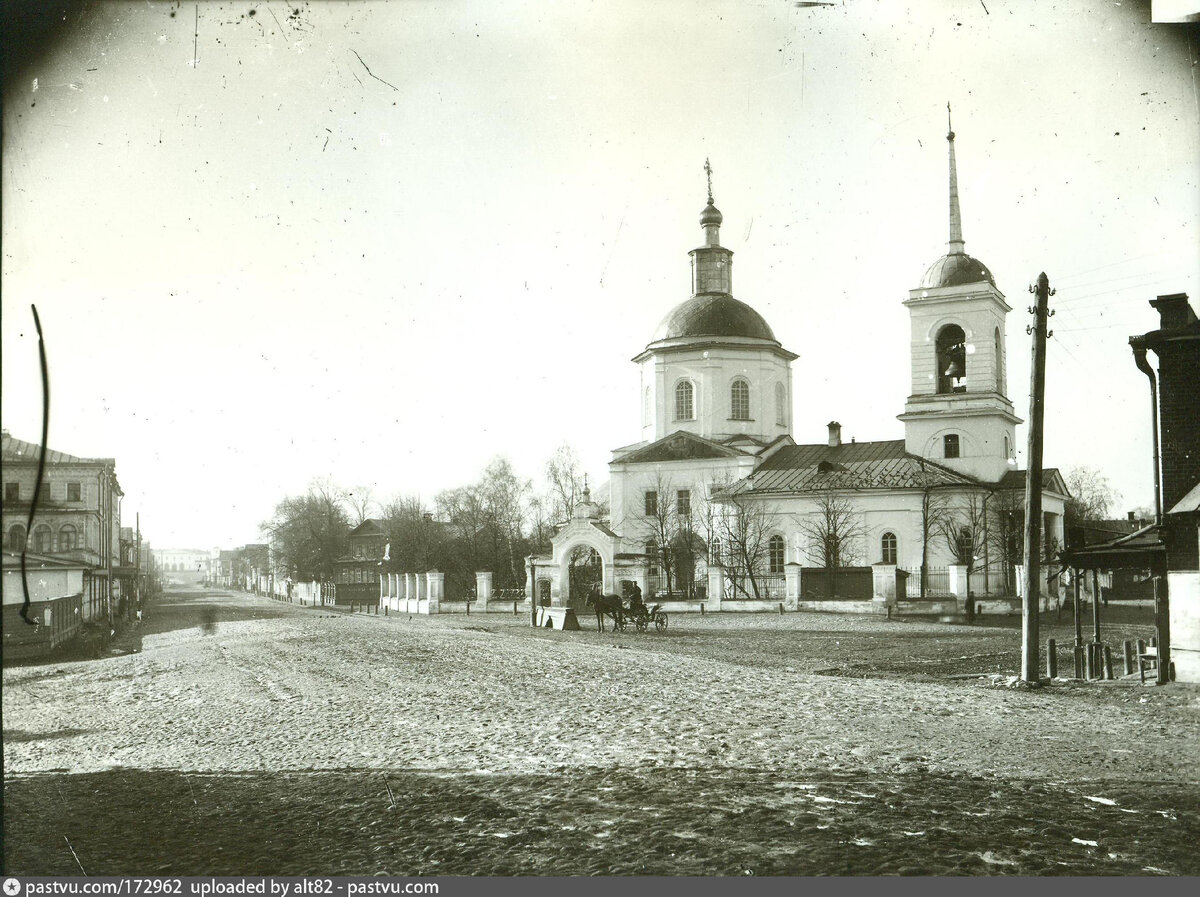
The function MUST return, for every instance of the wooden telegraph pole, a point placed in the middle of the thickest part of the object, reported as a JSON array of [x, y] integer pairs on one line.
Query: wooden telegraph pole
[[1030, 604]]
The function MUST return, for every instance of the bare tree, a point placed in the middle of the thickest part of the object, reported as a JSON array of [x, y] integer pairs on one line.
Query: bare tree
[[308, 532], [964, 529], [1091, 495], [662, 525], [564, 481], [360, 501], [835, 534], [934, 505], [739, 534]]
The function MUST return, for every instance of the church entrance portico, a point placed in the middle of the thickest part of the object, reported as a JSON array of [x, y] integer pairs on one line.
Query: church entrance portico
[[585, 572]]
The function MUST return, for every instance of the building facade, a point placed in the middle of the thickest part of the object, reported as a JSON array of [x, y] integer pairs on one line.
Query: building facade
[[77, 518], [718, 496]]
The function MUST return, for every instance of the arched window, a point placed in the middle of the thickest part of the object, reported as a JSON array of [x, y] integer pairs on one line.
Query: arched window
[[780, 405], [964, 546], [739, 400], [950, 445], [951, 359], [685, 405], [776, 553], [16, 538], [999, 364], [647, 409], [1007, 449], [43, 539], [887, 546], [66, 537]]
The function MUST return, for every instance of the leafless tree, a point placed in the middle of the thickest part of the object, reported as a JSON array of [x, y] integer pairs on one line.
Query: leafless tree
[[834, 532], [964, 529], [663, 527], [739, 534], [564, 482], [308, 532], [1091, 495], [934, 508], [361, 502]]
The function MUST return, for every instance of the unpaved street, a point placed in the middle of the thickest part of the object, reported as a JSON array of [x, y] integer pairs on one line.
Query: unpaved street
[[227, 683]]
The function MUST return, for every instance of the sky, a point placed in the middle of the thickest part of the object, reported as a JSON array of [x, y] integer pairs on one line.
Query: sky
[[385, 243]]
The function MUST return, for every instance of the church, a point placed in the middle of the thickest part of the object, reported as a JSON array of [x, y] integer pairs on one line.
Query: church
[[717, 505]]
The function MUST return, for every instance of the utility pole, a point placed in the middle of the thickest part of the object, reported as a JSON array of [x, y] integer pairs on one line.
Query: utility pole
[[1030, 604], [138, 562]]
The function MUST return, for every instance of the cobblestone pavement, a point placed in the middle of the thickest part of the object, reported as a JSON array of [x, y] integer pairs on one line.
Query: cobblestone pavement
[[225, 682]]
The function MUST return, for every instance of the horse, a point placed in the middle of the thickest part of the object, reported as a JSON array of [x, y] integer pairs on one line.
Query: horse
[[609, 605]]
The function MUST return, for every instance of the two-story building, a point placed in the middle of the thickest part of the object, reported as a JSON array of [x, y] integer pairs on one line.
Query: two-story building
[[77, 518]]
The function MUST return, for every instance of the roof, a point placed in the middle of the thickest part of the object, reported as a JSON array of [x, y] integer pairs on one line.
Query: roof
[[369, 527], [854, 465], [16, 450], [1052, 480], [1189, 504], [713, 314], [680, 446], [1138, 550], [955, 269]]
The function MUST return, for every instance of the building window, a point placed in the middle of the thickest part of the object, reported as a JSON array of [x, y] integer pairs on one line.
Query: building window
[[12, 491], [652, 554], [739, 400], [999, 362], [776, 553], [780, 405], [16, 538], [74, 492], [683, 502], [1007, 449], [685, 404], [47, 494], [951, 360], [887, 546], [651, 503], [66, 538], [43, 539], [965, 547], [950, 445]]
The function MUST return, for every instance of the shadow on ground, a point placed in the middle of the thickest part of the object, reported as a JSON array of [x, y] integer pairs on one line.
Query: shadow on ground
[[645, 821]]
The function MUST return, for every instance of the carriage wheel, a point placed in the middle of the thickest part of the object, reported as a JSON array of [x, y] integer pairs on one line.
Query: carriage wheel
[[619, 624], [642, 624], [660, 622]]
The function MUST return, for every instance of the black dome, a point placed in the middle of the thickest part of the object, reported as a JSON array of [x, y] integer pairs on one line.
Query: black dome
[[713, 314], [954, 270]]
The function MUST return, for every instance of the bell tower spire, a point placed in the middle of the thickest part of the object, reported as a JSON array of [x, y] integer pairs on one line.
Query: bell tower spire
[[712, 264], [956, 237]]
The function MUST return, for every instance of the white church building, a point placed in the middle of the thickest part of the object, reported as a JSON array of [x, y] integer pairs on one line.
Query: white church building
[[717, 489]]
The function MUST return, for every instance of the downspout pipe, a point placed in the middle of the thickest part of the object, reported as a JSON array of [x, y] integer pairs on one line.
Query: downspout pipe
[[1138, 344]]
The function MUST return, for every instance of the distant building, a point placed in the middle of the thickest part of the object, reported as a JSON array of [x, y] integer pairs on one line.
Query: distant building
[[183, 560], [365, 553], [78, 517]]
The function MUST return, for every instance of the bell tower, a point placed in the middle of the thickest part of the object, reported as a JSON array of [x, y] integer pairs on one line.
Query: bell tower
[[958, 412]]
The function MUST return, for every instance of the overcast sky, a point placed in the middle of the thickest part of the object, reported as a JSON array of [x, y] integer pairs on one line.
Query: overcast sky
[[384, 243]]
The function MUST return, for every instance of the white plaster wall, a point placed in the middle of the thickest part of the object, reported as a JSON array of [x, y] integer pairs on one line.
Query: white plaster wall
[[1184, 591]]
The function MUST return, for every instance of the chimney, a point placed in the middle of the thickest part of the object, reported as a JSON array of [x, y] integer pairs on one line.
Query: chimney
[[1132, 522], [835, 434], [1173, 311]]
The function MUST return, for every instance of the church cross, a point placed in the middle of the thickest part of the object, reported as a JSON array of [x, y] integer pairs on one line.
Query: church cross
[[708, 175]]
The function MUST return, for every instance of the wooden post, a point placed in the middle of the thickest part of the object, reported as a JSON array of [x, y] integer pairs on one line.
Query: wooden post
[[1108, 672], [1128, 648], [1162, 623], [1096, 606], [1051, 659], [1088, 663], [1075, 581], [1031, 604], [515, 608]]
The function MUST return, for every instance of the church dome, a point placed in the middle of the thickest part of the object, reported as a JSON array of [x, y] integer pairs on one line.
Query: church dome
[[713, 315], [711, 215], [954, 270]]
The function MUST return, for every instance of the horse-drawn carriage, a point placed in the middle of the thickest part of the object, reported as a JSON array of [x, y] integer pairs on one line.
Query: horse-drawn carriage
[[623, 615]]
